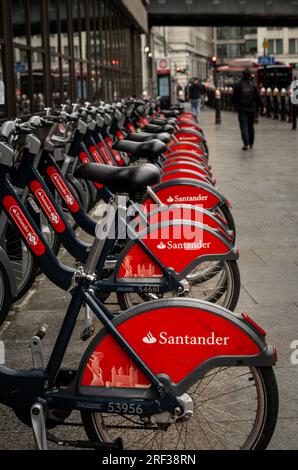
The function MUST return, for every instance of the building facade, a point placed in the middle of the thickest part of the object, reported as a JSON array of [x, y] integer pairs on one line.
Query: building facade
[[239, 42], [283, 44], [189, 49], [52, 51], [233, 42]]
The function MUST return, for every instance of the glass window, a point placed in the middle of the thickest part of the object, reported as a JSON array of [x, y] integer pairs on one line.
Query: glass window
[[35, 23], [279, 46], [19, 24], [2, 87], [227, 32], [102, 62], [293, 43], [271, 46], [251, 46], [23, 85], [38, 101]]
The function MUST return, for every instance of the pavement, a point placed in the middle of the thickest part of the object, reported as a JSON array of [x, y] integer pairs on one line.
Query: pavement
[[262, 186]]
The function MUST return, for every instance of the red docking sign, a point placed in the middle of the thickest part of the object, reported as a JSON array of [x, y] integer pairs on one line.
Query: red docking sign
[[163, 66]]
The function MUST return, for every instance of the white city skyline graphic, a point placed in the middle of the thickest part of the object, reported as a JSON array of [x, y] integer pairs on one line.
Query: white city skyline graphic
[[125, 376], [145, 269]]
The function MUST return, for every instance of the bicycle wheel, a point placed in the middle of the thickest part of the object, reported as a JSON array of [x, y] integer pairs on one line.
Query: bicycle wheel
[[24, 266], [225, 212], [211, 281], [234, 408], [86, 190], [49, 234], [5, 294]]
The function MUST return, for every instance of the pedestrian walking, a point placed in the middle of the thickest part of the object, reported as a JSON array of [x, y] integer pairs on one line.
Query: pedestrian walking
[[195, 93], [247, 102]]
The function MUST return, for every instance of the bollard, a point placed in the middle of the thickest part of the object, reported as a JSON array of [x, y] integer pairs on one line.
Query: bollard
[[263, 98], [290, 106], [226, 104], [283, 104], [268, 102], [231, 92], [222, 91], [294, 116], [275, 103], [217, 106]]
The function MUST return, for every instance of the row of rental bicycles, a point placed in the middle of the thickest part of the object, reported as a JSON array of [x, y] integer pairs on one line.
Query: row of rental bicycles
[[174, 367]]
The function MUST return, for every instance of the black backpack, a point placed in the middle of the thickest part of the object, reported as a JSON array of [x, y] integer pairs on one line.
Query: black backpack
[[247, 93]]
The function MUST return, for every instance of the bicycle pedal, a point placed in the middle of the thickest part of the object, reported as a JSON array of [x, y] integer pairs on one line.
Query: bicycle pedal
[[41, 333], [87, 333]]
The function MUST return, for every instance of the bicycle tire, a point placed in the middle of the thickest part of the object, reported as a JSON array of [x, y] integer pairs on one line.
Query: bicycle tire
[[125, 301], [268, 401], [5, 294], [14, 246]]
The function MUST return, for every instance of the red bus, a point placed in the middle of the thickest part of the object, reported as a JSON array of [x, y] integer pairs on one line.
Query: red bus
[[278, 76]]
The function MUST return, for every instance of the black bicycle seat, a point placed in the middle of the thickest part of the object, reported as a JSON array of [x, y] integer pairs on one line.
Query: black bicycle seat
[[144, 137], [120, 180], [151, 149], [170, 112], [163, 122], [152, 128]]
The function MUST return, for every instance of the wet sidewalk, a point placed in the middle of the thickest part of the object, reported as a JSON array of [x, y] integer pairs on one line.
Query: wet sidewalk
[[262, 186]]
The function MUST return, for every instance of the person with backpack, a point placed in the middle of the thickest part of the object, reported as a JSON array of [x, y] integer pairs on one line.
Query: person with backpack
[[247, 101]]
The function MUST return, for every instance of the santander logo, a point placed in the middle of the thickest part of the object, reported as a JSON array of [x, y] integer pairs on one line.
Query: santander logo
[[149, 339], [184, 245], [32, 239], [164, 338], [161, 246], [198, 198]]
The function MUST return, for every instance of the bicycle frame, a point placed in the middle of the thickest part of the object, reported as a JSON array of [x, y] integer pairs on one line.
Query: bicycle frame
[[168, 281]]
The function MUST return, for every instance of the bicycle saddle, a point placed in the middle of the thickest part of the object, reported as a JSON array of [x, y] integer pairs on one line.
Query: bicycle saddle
[[144, 137], [151, 149], [120, 180], [152, 128], [163, 122]]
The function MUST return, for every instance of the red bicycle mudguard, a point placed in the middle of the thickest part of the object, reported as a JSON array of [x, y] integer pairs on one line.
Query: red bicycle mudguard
[[168, 176], [190, 116], [189, 146], [188, 125], [185, 155], [179, 244], [187, 191], [189, 212], [189, 135], [181, 338], [185, 165]]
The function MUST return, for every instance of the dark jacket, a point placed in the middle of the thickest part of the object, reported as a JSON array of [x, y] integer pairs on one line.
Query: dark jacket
[[195, 91], [256, 102]]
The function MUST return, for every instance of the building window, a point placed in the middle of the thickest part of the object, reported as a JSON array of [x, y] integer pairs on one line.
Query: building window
[[74, 50], [293, 46], [275, 46], [230, 50], [230, 32], [251, 46]]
